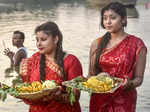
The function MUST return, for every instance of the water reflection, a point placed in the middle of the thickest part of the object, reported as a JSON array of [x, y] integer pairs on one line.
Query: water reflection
[[132, 12], [33, 6], [130, 5]]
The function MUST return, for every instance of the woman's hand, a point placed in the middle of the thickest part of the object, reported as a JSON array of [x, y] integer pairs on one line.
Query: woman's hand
[[61, 96], [55, 94], [128, 84]]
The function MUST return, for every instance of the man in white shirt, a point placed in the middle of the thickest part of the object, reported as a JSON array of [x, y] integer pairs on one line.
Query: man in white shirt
[[17, 41]]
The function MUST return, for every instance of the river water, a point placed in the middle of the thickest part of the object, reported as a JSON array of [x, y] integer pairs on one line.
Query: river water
[[79, 24]]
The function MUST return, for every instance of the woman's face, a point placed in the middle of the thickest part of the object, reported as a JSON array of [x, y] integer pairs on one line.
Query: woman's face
[[112, 21], [45, 43]]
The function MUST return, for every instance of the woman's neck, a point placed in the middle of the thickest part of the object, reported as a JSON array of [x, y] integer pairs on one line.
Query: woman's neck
[[50, 56], [118, 35]]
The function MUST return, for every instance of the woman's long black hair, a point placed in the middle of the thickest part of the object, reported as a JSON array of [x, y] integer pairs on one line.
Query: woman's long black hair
[[120, 10], [51, 28]]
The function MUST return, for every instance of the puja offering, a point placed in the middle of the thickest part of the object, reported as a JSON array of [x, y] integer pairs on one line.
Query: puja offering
[[31, 91], [102, 83]]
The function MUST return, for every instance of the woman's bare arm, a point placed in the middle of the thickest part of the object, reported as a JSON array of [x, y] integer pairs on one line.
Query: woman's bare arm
[[92, 57], [139, 70]]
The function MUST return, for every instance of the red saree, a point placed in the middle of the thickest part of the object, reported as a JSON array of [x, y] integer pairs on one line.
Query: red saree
[[118, 61], [30, 72]]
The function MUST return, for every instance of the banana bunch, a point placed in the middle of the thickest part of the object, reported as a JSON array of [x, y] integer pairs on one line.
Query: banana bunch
[[35, 86], [99, 84], [29, 88]]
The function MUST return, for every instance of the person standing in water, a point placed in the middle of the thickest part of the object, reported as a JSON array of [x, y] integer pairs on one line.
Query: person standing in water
[[15, 58], [120, 55]]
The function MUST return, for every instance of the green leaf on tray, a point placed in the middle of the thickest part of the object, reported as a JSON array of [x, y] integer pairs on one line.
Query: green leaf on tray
[[71, 95], [3, 95], [4, 90]]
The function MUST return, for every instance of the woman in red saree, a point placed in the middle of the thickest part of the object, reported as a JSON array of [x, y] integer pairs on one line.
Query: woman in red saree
[[51, 63], [120, 55]]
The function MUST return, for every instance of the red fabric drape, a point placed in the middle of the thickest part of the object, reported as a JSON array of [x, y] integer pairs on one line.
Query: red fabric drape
[[30, 72], [118, 61]]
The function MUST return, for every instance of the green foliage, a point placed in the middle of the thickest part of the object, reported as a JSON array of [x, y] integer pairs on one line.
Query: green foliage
[[75, 83], [72, 98], [4, 90]]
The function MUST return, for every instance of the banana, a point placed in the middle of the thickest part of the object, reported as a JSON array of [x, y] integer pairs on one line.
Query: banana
[[100, 84], [35, 86]]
